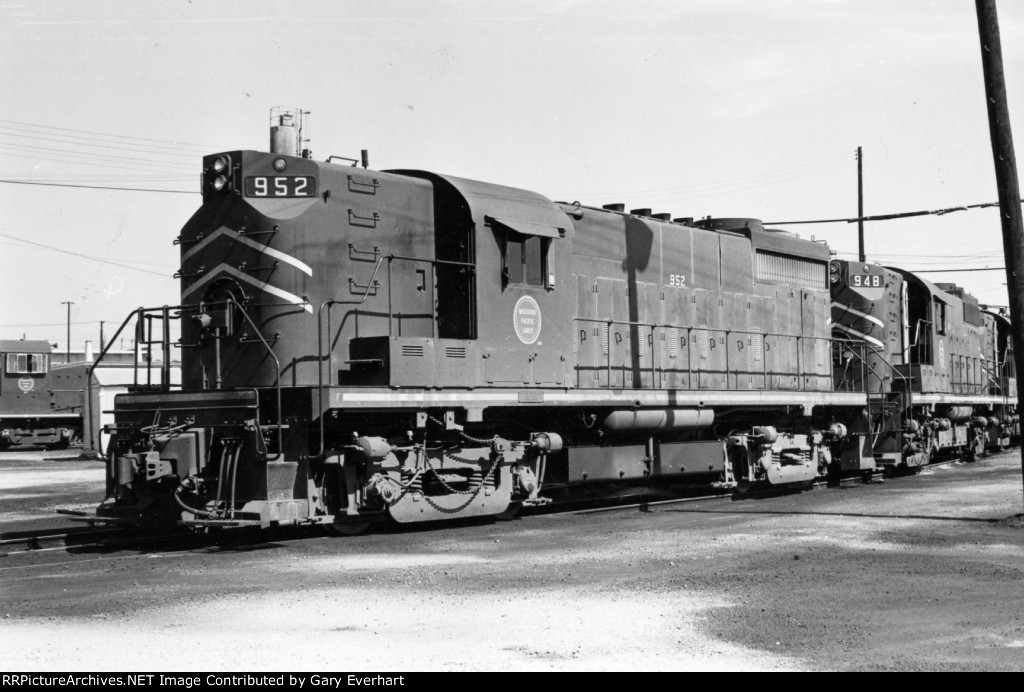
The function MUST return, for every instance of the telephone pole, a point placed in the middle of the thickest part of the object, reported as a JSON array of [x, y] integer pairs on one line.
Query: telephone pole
[[67, 356], [1006, 176], [860, 204]]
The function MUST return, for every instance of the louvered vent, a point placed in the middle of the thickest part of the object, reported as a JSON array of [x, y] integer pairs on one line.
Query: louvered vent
[[414, 350], [453, 351], [776, 268]]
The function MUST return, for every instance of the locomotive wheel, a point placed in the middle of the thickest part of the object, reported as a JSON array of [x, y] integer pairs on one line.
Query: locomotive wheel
[[349, 528], [510, 513]]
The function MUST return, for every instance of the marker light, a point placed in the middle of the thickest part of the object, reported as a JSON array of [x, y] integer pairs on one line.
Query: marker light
[[280, 165], [833, 272]]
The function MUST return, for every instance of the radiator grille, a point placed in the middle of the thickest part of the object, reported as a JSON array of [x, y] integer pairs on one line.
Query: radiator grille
[[776, 268]]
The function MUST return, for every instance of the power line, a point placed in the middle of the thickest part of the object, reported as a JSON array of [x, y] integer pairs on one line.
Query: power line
[[148, 163], [68, 158], [135, 150], [88, 257], [947, 271], [100, 187], [50, 324], [887, 217], [113, 136]]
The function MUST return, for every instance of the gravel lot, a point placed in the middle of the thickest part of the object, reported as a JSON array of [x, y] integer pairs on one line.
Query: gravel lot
[[918, 573]]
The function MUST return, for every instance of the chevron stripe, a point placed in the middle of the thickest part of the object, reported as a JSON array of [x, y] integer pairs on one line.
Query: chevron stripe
[[222, 269], [857, 313], [268, 251], [858, 335]]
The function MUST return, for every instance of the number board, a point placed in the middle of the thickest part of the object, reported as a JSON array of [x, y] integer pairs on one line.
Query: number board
[[867, 279], [280, 186]]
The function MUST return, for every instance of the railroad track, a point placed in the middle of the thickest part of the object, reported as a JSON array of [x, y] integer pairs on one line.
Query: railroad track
[[95, 539], [50, 539], [642, 501]]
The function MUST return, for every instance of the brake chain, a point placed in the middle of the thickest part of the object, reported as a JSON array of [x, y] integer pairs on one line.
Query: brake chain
[[473, 492]]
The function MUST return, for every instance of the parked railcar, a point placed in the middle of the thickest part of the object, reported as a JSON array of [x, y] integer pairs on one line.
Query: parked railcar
[[358, 344], [40, 405], [938, 370]]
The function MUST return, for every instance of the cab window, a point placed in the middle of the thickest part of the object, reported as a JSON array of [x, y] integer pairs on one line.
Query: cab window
[[940, 316], [524, 260], [26, 363]]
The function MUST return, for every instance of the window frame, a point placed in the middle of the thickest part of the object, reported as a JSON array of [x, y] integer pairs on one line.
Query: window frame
[[34, 363], [513, 239]]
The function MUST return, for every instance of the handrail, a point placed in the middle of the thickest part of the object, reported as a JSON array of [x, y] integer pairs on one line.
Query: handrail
[[331, 302], [95, 364], [141, 314], [277, 379], [907, 395], [653, 368]]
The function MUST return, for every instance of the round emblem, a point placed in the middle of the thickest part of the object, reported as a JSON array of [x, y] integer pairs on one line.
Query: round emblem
[[526, 319], [26, 384]]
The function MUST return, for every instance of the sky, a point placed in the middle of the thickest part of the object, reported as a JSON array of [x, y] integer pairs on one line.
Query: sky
[[726, 108]]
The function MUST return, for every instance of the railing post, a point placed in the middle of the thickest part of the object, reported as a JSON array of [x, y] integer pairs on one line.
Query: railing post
[[727, 335], [165, 366]]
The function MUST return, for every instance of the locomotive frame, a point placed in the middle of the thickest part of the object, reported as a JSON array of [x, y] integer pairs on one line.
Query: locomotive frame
[[359, 344]]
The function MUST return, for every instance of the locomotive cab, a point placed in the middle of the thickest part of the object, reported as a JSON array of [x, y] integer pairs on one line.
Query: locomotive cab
[[38, 404]]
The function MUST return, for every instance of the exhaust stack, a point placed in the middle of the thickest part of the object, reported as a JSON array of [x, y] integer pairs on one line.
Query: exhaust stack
[[286, 132]]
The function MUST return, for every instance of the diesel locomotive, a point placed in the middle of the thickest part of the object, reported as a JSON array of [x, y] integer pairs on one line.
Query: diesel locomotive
[[359, 344], [40, 405], [939, 372]]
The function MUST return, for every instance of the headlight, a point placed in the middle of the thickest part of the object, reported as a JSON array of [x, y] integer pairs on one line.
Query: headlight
[[220, 182], [220, 164], [280, 165]]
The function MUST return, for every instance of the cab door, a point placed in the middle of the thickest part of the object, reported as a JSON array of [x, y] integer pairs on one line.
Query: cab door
[[532, 320]]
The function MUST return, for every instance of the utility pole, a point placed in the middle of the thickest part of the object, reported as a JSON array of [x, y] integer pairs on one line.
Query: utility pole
[[102, 345], [67, 357], [1006, 176], [860, 204]]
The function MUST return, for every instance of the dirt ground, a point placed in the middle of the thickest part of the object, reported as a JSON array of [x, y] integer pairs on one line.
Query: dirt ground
[[917, 573]]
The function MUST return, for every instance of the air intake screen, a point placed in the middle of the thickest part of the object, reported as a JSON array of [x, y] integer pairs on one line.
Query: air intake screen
[[775, 268]]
